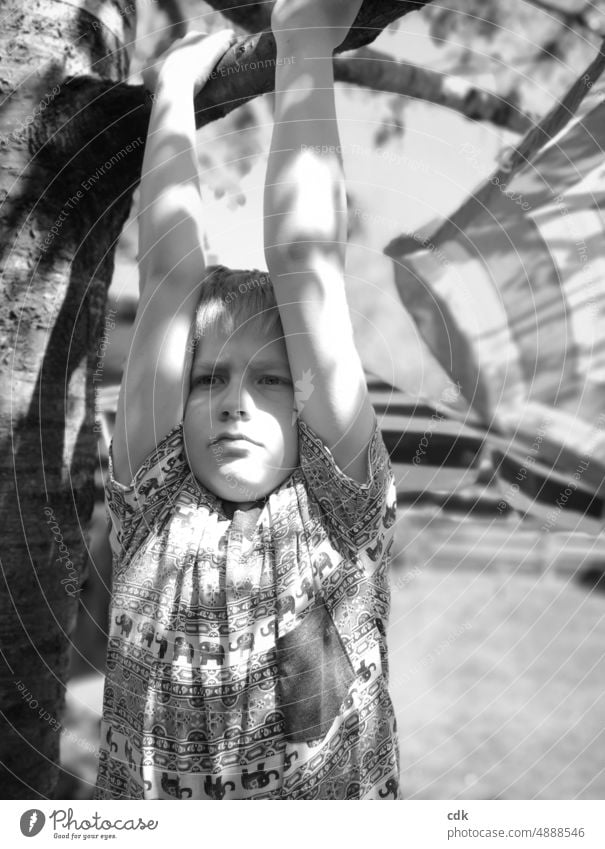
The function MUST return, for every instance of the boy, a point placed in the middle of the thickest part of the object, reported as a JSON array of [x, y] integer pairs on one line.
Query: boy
[[251, 524]]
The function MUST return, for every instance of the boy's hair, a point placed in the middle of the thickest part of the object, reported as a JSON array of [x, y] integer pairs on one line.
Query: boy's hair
[[232, 298]]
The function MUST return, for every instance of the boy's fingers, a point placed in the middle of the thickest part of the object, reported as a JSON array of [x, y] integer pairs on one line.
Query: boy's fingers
[[194, 37], [195, 34], [225, 35], [195, 50]]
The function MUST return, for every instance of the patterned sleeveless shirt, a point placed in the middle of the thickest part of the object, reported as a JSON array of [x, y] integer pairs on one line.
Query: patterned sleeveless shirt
[[247, 656]]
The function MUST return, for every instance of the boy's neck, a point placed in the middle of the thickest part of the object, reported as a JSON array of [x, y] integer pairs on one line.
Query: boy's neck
[[231, 506]]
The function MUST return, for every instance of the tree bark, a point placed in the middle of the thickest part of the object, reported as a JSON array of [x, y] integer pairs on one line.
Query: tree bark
[[61, 214]]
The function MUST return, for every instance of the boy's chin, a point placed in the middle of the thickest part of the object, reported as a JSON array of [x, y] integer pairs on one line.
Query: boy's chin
[[244, 491]]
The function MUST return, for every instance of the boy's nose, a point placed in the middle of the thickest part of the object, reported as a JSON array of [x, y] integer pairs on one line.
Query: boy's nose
[[233, 412], [236, 403]]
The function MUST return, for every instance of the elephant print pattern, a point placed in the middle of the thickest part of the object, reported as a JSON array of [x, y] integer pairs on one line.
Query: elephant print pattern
[[247, 649]]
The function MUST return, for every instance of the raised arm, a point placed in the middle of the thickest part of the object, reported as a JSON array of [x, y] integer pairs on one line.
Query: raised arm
[[171, 259], [305, 226]]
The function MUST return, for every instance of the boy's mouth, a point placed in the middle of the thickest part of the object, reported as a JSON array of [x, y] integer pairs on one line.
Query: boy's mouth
[[233, 437]]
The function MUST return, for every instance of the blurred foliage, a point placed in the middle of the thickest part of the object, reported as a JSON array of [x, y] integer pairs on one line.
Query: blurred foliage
[[469, 18], [528, 49], [240, 141], [392, 124], [540, 42]]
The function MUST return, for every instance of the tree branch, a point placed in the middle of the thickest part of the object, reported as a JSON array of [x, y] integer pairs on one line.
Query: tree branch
[[373, 69], [373, 17], [246, 71], [542, 133], [381, 72]]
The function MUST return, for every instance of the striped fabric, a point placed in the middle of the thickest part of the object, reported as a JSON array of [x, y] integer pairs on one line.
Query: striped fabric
[[510, 297], [436, 459]]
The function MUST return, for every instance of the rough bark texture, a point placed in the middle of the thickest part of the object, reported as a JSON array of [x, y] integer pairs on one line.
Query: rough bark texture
[[53, 285]]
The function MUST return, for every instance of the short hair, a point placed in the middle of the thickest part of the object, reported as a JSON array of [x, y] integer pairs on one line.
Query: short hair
[[232, 298]]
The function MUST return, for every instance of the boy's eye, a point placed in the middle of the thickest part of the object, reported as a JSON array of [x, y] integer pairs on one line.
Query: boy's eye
[[206, 380], [274, 380]]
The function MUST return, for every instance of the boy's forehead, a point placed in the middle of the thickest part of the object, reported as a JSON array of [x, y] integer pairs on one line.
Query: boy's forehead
[[252, 343]]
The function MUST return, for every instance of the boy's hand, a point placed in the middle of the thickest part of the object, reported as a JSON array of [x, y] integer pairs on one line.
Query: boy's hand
[[329, 20], [191, 58]]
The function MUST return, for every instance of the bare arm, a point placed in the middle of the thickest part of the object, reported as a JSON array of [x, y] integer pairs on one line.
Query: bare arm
[[171, 260], [305, 227]]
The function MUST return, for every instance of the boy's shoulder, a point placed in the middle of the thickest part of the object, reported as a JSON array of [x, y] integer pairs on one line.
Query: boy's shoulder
[[152, 489], [359, 515]]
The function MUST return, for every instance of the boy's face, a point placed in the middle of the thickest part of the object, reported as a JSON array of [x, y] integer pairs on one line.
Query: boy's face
[[240, 434]]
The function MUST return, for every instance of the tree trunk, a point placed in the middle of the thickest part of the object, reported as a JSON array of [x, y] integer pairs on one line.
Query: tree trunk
[[64, 203]]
